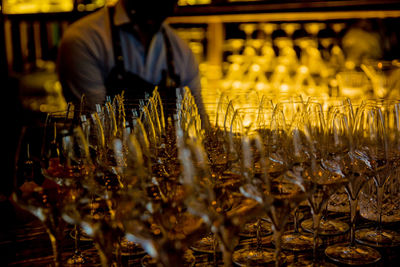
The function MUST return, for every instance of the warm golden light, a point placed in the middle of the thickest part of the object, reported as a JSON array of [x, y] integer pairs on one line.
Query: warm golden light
[[193, 2], [36, 6]]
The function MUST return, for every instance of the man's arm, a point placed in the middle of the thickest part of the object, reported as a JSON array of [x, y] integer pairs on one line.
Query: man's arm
[[80, 70]]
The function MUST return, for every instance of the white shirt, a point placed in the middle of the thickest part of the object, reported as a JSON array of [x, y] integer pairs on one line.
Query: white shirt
[[86, 56]]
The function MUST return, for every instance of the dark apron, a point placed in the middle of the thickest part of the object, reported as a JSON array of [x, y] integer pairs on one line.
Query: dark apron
[[135, 88]]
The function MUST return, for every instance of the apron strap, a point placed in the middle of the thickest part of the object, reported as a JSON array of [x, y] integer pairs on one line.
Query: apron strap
[[170, 61], [170, 78]]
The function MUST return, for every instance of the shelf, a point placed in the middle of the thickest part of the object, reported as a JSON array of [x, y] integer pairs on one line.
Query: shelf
[[286, 16], [287, 6], [287, 11]]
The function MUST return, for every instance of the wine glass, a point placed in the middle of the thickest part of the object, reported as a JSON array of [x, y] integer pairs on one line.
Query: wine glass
[[95, 215], [76, 160], [151, 208], [254, 169], [217, 144], [329, 141], [287, 109], [358, 168], [331, 108], [38, 195], [93, 208], [43, 185], [219, 207], [383, 153], [390, 207], [284, 175]]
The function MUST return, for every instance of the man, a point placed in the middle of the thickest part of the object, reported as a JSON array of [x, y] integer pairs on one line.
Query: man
[[126, 47]]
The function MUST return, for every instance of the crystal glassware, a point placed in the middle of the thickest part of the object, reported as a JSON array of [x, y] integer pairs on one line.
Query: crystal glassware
[[358, 169], [383, 152]]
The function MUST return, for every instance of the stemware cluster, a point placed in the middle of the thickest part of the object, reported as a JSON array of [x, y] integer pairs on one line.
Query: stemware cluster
[[160, 186]]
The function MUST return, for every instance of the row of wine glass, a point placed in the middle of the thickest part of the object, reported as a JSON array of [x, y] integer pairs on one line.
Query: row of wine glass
[[140, 174]]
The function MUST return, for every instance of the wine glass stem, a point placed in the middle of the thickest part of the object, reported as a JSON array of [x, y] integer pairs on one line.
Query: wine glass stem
[[295, 220], [77, 240], [215, 247], [379, 197], [226, 251], [258, 234], [55, 248], [316, 222], [277, 240], [227, 255], [105, 260], [353, 211], [105, 255]]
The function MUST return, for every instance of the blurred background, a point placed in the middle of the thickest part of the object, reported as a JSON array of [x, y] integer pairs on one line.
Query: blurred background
[[247, 48]]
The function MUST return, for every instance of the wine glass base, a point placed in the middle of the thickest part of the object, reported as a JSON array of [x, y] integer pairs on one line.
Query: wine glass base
[[253, 242], [76, 259], [254, 256], [378, 238], [205, 245], [128, 248], [329, 227], [83, 236], [352, 255], [295, 241], [250, 229]]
